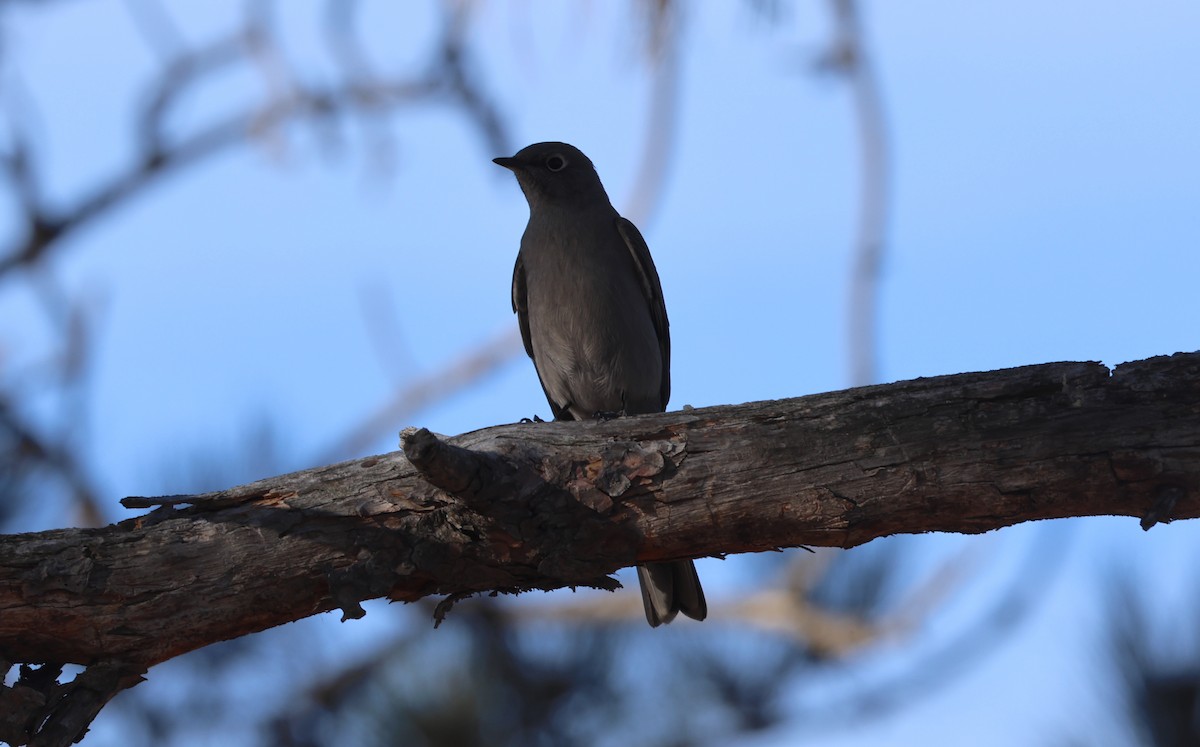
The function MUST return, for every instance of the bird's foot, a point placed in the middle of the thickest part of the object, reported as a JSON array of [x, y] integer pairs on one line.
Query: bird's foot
[[603, 415], [534, 419]]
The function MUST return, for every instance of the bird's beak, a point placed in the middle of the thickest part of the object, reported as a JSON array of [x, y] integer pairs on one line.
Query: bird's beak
[[512, 164]]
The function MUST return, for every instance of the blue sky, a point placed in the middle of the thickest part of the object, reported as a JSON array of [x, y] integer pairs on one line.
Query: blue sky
[[1046, 206]]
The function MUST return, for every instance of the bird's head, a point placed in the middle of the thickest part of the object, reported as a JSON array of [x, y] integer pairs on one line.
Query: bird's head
[[555, 173]]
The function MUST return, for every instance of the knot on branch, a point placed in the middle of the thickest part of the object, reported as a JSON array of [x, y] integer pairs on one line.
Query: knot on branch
[[552, 518], [470, 475]]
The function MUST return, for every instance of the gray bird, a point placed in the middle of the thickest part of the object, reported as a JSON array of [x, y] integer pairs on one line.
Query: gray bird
[[592, 317]]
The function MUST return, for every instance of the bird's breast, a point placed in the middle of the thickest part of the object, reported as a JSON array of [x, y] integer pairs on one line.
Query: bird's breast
[[593, 338]]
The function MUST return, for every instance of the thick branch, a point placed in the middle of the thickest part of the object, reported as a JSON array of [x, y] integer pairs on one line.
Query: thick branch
[[548, 505]]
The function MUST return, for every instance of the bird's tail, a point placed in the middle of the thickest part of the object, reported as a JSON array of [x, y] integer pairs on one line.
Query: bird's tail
[[671, 588]]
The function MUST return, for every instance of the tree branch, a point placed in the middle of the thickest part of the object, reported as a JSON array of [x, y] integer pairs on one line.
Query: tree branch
[[550, 505]]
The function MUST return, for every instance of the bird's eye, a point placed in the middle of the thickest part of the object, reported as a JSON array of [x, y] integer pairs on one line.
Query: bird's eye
[[556, 163]]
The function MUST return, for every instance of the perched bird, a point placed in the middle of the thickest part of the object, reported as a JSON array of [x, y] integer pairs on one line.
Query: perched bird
[[592, 317]]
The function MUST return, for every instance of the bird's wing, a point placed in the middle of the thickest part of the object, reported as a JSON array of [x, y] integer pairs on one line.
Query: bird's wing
[[520, 306], [521, 309], [652, 290]]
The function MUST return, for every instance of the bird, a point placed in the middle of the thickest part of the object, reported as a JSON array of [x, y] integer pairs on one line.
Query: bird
[[590, 307]]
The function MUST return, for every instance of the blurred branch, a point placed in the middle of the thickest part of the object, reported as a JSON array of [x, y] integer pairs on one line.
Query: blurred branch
[[456, 80], [458, 376], [849, 58], [157, 28], [935, 668], [55, 459], [337, 691], [779, 611], [664, 30], [448, 79], [809, 627], [1157, 666], [350, 55], [41, 226], [820, 632]]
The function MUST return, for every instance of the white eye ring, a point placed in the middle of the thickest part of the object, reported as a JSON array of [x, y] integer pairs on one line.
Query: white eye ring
[[556, 163]]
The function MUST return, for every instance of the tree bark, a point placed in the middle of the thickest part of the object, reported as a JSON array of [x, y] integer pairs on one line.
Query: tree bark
[[550, 505]]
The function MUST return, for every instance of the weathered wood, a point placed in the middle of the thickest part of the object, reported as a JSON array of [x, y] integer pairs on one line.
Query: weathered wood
[[564, 504]]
